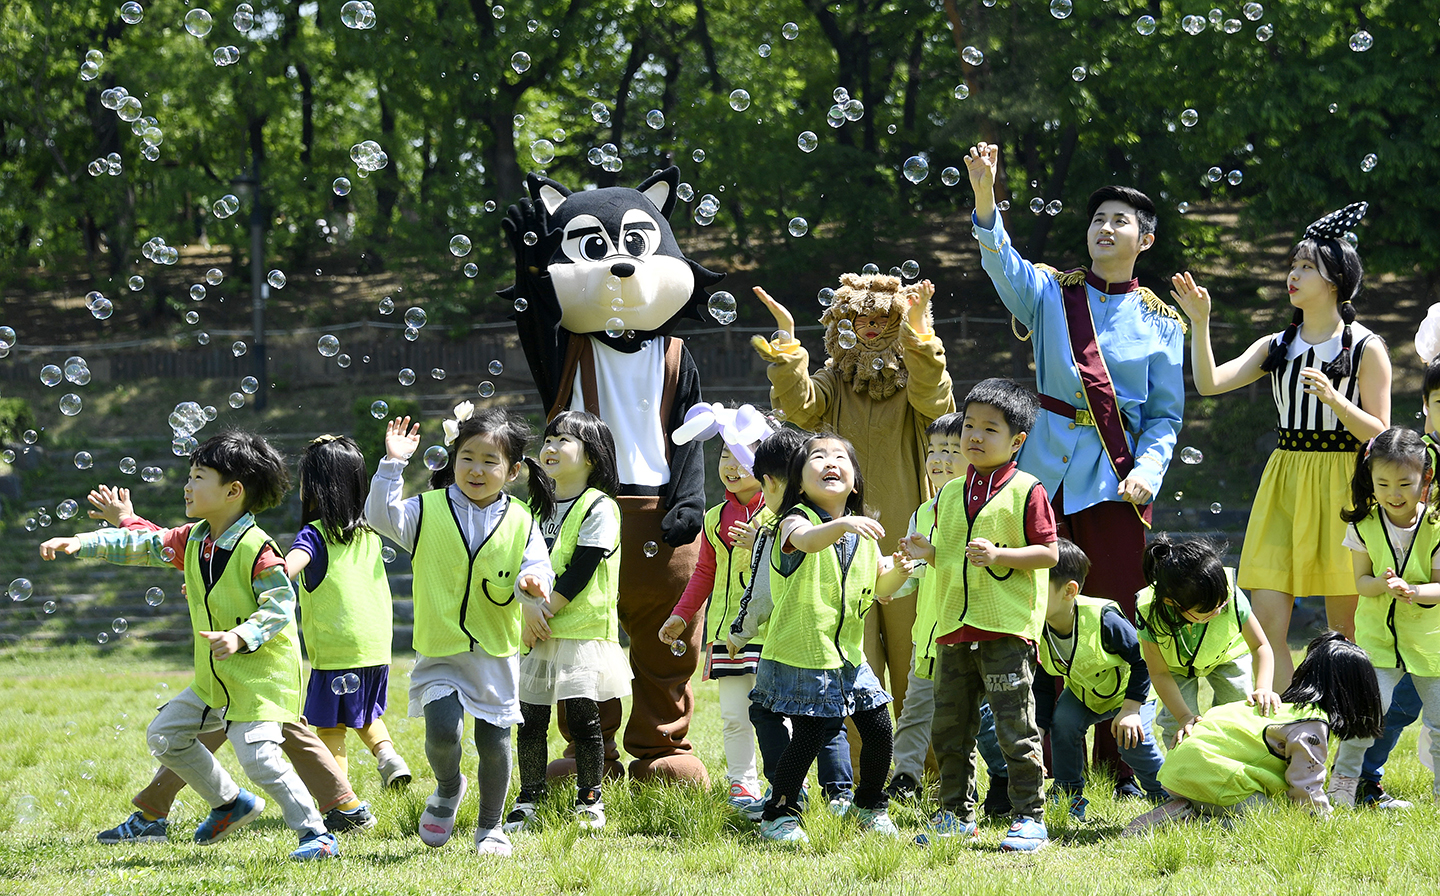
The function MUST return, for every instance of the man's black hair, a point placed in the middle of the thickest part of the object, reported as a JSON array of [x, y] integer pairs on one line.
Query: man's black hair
[[247, 458], [1144, 208], [1018, 404]]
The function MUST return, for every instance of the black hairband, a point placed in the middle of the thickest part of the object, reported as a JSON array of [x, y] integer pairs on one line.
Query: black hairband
[[1334, 225]]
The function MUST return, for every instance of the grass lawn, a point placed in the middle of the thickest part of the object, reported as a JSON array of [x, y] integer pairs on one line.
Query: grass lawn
[[72, 741]]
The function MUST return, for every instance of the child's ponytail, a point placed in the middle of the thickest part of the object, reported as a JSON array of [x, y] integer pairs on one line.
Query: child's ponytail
[[1185, 576], [540, 488]]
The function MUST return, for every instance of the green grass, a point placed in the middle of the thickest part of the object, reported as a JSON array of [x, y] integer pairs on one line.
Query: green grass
[[72, 725]]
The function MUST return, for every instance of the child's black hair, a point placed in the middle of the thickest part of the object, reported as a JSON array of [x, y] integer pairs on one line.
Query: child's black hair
[[1337, 678], [245, 457], [513, 435], [946, 424], [773, 455], [1144, 207], [854, 502], [1185, 576], [1396, 445], [1018, 404], [333, 487], [1339, 263], [599, 444], [1073, 566], [1429, 385]]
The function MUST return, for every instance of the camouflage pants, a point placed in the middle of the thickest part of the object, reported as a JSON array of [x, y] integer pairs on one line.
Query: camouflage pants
[[966, 675]]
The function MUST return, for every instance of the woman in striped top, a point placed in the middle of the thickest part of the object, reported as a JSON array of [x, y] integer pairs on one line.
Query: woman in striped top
[[1332, 394]]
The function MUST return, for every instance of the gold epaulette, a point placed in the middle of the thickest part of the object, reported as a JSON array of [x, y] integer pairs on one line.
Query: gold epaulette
[[1159, 306], [1064, 278]]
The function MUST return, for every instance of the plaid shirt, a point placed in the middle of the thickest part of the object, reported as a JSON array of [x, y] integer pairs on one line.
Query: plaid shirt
[[142, 543]]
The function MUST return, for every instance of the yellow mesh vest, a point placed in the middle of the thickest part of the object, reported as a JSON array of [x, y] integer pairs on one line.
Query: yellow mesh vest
[[1226, 757], [995, 598], [1220, 639], [1095, 675], [1397, 635], [591, 615], [263, 686], [732, 575], [463, 600], [922, 633], [347, 619]]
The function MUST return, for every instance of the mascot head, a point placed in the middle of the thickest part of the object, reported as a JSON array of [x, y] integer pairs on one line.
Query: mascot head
[[870, 357], [617, 258]]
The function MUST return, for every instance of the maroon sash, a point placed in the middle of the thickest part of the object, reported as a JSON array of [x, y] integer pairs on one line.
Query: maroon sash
[[1095, 379]]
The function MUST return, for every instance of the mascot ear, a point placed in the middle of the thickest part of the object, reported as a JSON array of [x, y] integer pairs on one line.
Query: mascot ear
[[660, 189], [546, 191]]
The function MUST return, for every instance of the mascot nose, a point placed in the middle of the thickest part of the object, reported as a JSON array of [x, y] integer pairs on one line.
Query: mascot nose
[[622, 269]]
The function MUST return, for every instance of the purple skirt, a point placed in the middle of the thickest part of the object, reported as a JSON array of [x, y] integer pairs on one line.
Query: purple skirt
[[326, 709]]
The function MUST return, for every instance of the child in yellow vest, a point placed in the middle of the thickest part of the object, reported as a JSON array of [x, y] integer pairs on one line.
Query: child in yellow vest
[[575, 656], [247, 671], [481, 574], [1239, 756], [1089, 644], [1196, 624], [993, 542], [1394, 538], [830, 573], [719, 580], [345, 609]]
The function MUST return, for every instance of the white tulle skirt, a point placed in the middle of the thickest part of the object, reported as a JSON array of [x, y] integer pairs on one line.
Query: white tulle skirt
[[563, 668]]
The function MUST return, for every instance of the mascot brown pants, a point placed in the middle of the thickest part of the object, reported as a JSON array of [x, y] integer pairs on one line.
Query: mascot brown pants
[[657, 733]]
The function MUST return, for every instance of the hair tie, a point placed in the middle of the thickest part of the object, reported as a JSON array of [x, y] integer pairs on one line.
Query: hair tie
[[463, 411], [1368, 445], [320, 440], [1334, 225]]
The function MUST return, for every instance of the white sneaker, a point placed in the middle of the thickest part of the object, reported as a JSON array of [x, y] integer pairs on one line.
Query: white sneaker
[[519, 817], [1341, 790], [493, 843], [590, 817], [393, 770]]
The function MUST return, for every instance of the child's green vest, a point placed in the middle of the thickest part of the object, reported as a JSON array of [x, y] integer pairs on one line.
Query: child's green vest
[[817, 620], [1091, 672], [261, 686], [591, 615], [1397, 635], [922, 633], [1221, 639], [464, 599], [347, 617], [994, 598], [1226, 758], [732, 575]]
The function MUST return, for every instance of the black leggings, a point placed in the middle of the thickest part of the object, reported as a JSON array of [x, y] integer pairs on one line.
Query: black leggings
[[583, 715], [809, 735]]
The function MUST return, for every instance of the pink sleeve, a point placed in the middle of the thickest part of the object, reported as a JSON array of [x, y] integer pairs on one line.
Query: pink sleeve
[[139, 523], [702, 582], [269, 558]]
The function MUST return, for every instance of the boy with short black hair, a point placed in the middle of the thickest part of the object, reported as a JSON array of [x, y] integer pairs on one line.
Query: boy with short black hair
[[991, 601], [1088, 642], [247, 672]]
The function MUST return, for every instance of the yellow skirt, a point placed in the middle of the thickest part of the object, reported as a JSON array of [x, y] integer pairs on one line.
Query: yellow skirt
[[1293, 542]]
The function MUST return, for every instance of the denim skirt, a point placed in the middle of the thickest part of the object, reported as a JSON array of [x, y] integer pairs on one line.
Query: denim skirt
[[824, 693]]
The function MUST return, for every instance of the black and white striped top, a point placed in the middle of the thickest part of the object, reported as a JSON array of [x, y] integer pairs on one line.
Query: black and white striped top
[[1300, 411]]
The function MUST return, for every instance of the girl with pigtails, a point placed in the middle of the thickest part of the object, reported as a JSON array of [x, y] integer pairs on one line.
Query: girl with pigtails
[[1330, 377]]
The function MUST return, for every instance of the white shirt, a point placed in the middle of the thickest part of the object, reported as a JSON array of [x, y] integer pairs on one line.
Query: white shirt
[[628, 387]]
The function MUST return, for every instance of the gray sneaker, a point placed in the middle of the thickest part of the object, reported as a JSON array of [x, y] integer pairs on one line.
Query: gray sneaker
[[393, 771]]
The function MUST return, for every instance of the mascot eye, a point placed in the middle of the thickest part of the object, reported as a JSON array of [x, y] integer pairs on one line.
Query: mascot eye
[[635, 242], [594, 248]]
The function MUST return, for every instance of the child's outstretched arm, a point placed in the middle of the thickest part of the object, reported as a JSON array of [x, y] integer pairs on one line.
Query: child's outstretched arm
[[110, 504], [1168, 690], [386, 509], [811, 538], [124, 547], [1263, 697], [891, 574], [1210, 379]]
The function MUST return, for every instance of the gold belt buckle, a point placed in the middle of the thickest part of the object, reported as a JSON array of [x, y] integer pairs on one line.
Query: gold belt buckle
[[1083, 417]]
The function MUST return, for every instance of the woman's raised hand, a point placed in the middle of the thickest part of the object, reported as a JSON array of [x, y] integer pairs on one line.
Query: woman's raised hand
[[1193, 299]]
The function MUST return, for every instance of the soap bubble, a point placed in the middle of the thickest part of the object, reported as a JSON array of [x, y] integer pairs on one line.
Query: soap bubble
[[1213, 175], [790, 31], [1215, 508], [961, 91], [276, 279], [916, 169], [192, 317], [826, 297], [1061, 9], [407, 376], [131, 12], [1369, 162], [807, 141], [7, 337], [723, 307], [102, 309], [846, 338], [1192, 25], [520, 62], [436, 457], [437, 373], [472, 270], [490, 205], [50, 375], [877, 364], [1264, 32], [387, 305], [341, 186], [249, 385], [244, 17], [542, 151], [1183, 207], [910, 269], [127, 465], [236, 400], [496, 367], [197, 292], [655, 119], [1235, 177], [764, 51], [698, 155], [20, 589], [1037, 205], [459, 245], [155, 596], [1054, 207], [950, 176], [387, 554], [1232, 25], [1216, 15], [343, 360], [1361, 41], [152, 474], [415, 317], [521, 303], [70, 404], [1192, 455], [854, 110], [486, 389], [799, 226], [379, 409], [198, 22], [352, 14], [1189, 118], [158, 744], [50, 607], [214, 277], [119, 625], [89, 71], [869, 269], [67, 509], [83, 460], [328, 346], [678, 647], [651, 549], [739, 99], [972, 55], [614, 328]]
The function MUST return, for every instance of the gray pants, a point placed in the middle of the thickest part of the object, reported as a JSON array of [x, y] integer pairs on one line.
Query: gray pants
[[257, 746], [1351, 753], [1231, 683]]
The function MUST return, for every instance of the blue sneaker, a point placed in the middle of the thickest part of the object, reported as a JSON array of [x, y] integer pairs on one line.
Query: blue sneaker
[[785, 829], [136, 829], [1025, 835], [872, 822], [221, 823], [741, 798], [947, 824], [1074, 801], [316, 846], [755, 810]]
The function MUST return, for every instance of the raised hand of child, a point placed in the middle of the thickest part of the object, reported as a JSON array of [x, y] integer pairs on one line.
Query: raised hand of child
[[1265, 701], [784, 320], [918, 548], [1193, 299], [981, 162], [742, 535], [982, 552], [1398, 587], [222, 644], [111, 504], [672, 629], [401, 439], [862, 526], [53, 547]]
